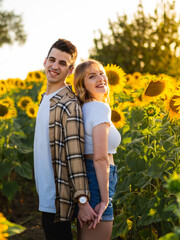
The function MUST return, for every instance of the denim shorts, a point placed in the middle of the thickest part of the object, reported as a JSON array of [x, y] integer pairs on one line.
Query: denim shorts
[[94, 188]]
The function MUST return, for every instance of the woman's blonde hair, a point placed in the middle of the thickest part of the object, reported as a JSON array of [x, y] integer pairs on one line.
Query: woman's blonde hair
[[79, 74]]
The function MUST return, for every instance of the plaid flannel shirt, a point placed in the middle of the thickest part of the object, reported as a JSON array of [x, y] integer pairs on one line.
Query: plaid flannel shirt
[[66, 135]]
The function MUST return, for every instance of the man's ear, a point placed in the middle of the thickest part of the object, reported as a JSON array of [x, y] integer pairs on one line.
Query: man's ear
[[45, 62], [71, 68]]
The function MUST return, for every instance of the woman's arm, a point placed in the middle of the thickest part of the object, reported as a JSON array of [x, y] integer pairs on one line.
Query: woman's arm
[[101, 163]]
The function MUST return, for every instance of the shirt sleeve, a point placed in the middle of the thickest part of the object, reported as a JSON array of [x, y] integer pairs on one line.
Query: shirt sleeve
[[101, 114], [74, 144]]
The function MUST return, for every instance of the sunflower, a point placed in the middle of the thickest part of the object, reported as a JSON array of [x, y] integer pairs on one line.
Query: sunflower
[[172, 106], [127, 91], [129, 80], [137, 98], [171, 81], [137, 75], [43, 90], [129, 77], [32, 110], [111, 98], [3, 227], [9, 101], [3, 81], [69, 81], [151, 111], [134, 82], [13, 112], [156, 87], [6, 112], [23, 102], [21, 84], [3, 89], [116, 77], [36, 76], [137, 102], [17, 82], [11, 82], [117, 117]]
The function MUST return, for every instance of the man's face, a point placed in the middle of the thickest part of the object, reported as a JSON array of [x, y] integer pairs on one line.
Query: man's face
[[57, 66]]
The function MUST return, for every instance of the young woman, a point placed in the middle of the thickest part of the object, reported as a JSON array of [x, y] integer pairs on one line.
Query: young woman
[[101, 141]]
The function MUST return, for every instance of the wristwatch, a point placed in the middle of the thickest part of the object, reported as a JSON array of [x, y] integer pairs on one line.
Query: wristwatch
[[83, 199]]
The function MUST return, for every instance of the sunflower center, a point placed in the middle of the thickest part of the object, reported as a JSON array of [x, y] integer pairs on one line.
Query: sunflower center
[[136, 77], [151, 111], [3, 110], [140, 98], [24, 103], [115, 116], [32, 111], [37, 75], [113, 78], [155, 88], [171, 104]]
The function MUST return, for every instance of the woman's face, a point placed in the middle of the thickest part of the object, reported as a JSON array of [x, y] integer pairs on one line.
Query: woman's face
[[96, 82]]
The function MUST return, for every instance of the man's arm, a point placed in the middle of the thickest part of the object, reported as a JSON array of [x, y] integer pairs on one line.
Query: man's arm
[[74, 144]]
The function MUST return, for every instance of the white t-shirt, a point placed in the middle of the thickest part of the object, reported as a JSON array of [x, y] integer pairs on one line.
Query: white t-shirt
[[43, 169], [95, 113]]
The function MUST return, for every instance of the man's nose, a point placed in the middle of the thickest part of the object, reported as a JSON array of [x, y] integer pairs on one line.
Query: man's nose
[[55, 65]]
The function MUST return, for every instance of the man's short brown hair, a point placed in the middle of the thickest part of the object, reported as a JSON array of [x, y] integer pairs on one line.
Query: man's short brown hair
[[65, 46]]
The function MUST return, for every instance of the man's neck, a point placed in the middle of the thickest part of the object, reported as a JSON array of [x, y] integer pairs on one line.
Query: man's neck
[[53, 88]]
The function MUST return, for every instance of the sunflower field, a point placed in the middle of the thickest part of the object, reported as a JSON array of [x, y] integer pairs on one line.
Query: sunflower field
[[146, 110]]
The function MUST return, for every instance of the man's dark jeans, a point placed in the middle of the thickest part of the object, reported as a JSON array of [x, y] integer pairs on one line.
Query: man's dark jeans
[[56, 231]]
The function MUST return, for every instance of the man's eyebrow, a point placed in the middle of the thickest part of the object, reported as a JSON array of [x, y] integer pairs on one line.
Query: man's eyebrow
[[51, 57], [62, 61]]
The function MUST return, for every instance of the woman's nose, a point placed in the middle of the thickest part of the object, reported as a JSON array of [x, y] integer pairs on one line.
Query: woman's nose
[[100, 77]]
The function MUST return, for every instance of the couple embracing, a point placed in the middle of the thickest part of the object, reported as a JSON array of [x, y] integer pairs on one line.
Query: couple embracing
[[74, 144]]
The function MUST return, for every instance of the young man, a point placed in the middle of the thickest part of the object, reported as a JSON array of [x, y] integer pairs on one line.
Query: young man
[[60, 173]]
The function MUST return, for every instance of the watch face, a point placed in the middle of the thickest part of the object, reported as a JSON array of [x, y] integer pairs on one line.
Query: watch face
[[82, 200]]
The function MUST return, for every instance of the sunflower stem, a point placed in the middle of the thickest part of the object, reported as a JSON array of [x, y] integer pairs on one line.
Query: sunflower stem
[[155, 149], [150, 232], [176, 154]]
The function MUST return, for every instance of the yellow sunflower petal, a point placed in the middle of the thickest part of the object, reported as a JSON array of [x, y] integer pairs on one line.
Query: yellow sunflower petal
[[9, 101], [117, 117], [36, 76], [6, 112], [3, 89], [137, 75], [116, 77], [151, 110], [24, 101], [156, 87], [32, 110], [69, 81], [172, 106]]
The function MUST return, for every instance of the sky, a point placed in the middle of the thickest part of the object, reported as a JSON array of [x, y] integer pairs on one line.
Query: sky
[[47, 20]]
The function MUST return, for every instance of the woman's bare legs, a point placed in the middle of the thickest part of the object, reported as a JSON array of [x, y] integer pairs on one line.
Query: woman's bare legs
[[102, 231]]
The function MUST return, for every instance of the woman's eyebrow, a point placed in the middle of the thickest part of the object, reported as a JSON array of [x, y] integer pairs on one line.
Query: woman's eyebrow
[[93, 73]]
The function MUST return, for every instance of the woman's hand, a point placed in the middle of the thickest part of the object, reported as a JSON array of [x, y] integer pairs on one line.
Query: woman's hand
[[99, 209]]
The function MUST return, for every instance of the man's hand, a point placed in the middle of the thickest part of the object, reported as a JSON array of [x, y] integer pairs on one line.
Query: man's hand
[[86, 214]]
